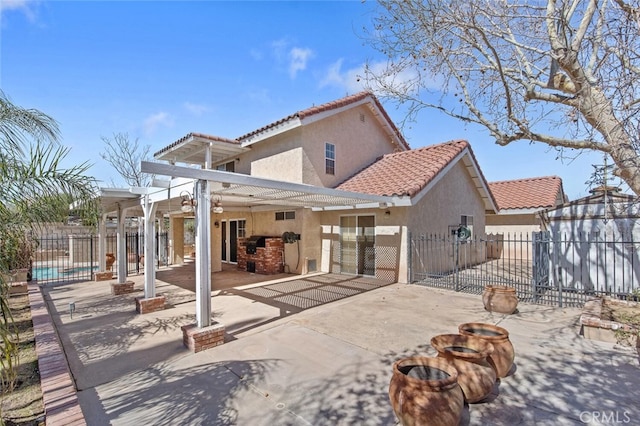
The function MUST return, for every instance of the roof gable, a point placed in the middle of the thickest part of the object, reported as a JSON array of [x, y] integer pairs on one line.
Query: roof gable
[[409, 173], [319, 112], [530, 193]]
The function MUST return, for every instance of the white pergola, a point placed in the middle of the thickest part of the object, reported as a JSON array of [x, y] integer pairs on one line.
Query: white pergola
[[241, 191], [236, 190]]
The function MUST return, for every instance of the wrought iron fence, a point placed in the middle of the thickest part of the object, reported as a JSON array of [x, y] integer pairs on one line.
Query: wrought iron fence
[[565, 270], [69, 258]]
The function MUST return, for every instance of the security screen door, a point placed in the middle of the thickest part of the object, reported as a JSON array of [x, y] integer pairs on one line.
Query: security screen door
[[357, 245]]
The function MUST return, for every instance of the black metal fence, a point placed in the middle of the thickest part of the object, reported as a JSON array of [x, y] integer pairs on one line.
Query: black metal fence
[[75, 257], [562, 270]]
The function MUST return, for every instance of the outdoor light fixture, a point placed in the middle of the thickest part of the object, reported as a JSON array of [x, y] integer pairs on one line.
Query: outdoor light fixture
[[217, 207], [187, 202]]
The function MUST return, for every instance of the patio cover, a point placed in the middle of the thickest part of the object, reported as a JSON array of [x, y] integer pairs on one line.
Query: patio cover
[[241, 190], [234, 190]]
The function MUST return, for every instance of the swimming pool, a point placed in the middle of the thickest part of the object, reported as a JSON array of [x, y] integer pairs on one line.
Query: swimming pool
[[53, 273]]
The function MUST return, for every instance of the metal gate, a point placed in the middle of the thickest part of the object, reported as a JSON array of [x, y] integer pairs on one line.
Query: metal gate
[[470, 264], [542, 269]]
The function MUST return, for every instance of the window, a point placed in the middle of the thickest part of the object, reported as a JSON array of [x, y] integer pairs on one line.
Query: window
[[290, 215], [330, 158], [242, 228], [227, 167]]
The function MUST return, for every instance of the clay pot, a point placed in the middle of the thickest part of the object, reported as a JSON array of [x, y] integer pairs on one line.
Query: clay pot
[[425, 390], [111, 258], [503, 353], [500, 298], [468, 354]]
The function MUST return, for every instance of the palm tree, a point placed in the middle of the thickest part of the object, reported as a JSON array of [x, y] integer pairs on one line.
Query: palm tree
[[34, 187]]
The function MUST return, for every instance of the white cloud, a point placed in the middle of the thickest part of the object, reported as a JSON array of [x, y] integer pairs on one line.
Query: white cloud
[[279, 48], [256, 54], [350, 79], [295, 58], [298, 58], [354, 79], [25, 6], [15, 4], [155, 121], [196, 109]]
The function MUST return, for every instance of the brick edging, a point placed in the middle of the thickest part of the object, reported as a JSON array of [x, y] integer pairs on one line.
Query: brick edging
[[592, 316], [61, 406]]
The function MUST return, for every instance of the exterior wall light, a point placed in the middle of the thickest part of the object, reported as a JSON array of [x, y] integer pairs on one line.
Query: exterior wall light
[[217, 207], [187, 203]]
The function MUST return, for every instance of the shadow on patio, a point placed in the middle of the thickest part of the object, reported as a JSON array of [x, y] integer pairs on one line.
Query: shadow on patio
[[289, 293]]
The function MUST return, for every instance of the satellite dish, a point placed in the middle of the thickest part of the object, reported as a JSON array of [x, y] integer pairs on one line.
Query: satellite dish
[[463, 233]]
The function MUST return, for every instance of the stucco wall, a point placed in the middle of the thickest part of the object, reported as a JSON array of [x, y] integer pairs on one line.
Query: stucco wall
[[285, 166], [454, 195], [358, 141], [298, 155], [176, 240], [439, 211]]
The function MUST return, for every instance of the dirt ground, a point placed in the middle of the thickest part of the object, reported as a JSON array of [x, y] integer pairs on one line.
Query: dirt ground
[[23, 405], [625, 314]]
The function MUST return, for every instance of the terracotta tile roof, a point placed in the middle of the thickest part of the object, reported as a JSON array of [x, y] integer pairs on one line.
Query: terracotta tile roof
[[196, 135], [537, 192], [339, 103], [406, 172]]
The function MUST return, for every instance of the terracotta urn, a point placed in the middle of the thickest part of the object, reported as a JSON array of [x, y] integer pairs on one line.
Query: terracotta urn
[[500, 298], [503, 353], [425, 390], [111, 258], [468, 355]]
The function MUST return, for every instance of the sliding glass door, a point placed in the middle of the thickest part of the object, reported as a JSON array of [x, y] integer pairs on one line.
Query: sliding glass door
[[357, 245]]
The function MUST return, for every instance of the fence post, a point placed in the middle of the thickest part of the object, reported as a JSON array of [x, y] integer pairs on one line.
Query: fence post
[[137, 240], [91, 255], [555, 263], [409, 257], [456, 254]]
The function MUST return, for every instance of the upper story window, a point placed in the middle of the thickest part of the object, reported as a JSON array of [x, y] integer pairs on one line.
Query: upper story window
[[227, 167], [330, 158]]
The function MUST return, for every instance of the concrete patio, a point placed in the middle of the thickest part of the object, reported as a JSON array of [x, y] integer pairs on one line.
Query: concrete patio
[[318, 350]]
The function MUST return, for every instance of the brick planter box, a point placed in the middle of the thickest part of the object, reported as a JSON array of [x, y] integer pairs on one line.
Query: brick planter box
[[103, 276], [122, 288], [595, 327], [152, 304], [18, 288], [200, 339]]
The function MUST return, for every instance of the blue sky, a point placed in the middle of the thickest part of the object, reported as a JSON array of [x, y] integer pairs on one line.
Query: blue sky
[[161, 69]]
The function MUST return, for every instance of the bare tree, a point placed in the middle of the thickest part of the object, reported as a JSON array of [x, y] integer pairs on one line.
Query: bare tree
[[564, 73], [125, 156]]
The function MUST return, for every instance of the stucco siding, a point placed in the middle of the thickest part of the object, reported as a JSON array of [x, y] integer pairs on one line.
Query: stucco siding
[[454, 195], [439, 212], [285, 166], [298, 155], [358, 141]]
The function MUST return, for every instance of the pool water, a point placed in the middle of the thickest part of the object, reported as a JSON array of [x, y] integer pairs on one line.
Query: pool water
[[52, 273]]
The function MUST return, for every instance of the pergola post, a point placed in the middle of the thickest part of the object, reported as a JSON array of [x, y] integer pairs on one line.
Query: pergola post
[[121, 256], [149, 248], [102, 243], [203, 253]]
